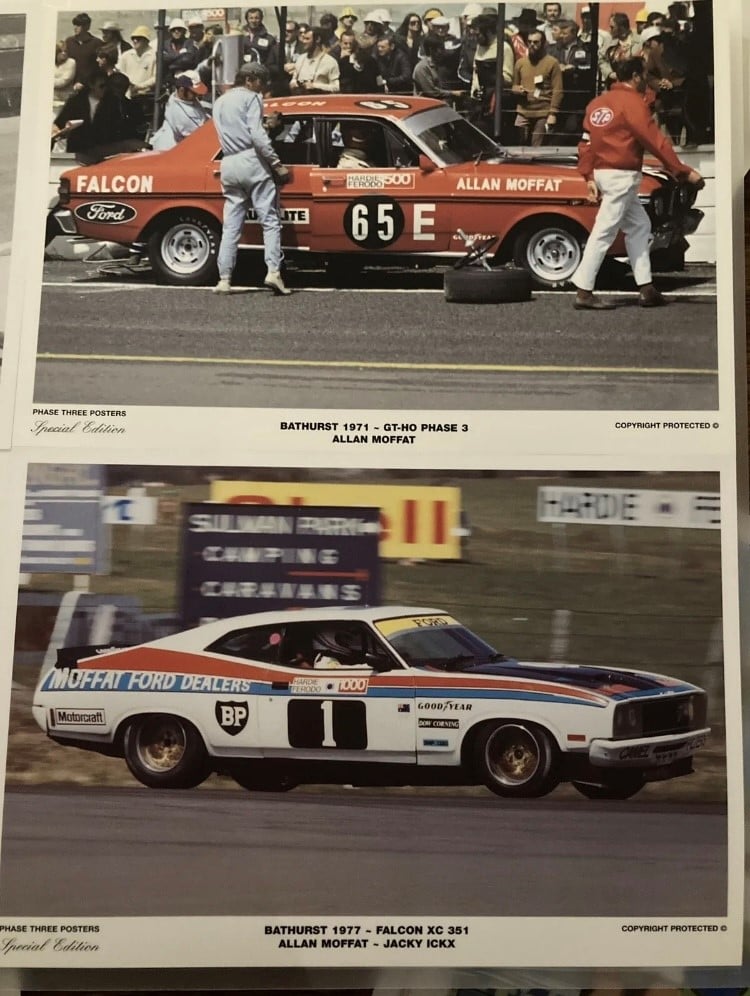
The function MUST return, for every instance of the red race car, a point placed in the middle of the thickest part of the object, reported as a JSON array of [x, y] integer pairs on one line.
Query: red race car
[[428, 179]]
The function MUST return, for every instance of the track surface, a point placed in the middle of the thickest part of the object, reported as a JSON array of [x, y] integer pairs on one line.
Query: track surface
[[140, 852], [391, 342]]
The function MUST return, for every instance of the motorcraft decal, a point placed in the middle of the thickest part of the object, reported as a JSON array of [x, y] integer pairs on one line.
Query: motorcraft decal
[[78, 717]]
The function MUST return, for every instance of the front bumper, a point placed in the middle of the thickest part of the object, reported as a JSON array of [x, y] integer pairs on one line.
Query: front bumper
[[646, 752], [66, 221]]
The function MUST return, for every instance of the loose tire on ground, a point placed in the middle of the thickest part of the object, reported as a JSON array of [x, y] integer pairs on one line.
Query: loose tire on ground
[[623, 787], [164, 751], [550, 251], [182, 250], [474, 284], [516, 759]]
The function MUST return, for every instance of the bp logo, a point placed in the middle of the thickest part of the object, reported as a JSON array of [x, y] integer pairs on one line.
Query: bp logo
[[232, 716], [601, 117]]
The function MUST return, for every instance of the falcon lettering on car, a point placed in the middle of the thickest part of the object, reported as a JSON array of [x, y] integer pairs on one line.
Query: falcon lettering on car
[[356, 696], [429, 175]]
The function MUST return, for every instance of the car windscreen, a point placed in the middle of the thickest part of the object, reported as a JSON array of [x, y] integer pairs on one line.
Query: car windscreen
[[450, 138], [447, 647]]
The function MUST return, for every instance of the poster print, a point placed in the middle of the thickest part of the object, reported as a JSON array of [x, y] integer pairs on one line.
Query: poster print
[[112, 338], [348, 815], [12, 43]]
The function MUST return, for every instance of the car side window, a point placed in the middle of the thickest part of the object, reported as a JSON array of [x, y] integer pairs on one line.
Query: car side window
[[296, 143], [259, 643]]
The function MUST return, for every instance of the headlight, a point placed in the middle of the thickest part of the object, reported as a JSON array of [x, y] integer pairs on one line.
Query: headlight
[[628, 721]]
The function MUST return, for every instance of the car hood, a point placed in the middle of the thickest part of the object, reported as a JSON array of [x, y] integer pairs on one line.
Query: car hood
[[614, 683]]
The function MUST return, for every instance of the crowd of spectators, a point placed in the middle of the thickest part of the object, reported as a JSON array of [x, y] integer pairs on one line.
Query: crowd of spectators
[[552, 67]]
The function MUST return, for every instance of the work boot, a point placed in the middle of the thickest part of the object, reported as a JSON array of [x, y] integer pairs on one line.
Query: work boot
[[275, 282], [650, 297], [586, 301], [224, 286]]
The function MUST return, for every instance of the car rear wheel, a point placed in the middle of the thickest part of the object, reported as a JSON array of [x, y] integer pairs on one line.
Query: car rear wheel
[[516, 759], [165, 751], [183, 250], [257, 777], [550, 251], [479, 286], [622, 787]]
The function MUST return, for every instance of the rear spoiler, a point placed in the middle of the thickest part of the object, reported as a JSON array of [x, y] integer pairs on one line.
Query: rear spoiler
[[69, 656]]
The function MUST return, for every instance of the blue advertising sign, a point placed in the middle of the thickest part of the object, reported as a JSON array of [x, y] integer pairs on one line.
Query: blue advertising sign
[[62, 529], [239, 559]]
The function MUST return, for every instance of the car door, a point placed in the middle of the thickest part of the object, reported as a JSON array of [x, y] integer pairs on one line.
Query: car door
[[392, 206], [354, 711]]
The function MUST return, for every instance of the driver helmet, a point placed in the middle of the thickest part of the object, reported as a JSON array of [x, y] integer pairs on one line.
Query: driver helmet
[[336, 643]]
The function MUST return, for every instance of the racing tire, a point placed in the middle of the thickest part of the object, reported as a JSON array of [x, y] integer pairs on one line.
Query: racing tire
[[516, 759], [183, 250], [550, 251], [623, 787], [254, 778], [474, 284], [164, 751]]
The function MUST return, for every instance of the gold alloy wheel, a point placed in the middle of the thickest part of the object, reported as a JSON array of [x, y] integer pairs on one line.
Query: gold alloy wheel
[[513, 755]]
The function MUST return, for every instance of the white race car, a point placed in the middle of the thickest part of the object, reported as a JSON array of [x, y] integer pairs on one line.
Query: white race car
[[389, 695]]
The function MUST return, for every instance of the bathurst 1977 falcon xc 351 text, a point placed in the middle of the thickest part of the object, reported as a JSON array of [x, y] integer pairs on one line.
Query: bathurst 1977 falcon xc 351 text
[[430, 177], [387, 695]]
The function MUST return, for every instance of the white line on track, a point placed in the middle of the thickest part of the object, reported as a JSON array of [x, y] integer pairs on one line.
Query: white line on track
[[708, 291]]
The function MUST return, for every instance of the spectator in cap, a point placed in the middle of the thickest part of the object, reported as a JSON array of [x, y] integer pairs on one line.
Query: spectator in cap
[[315, 71], [347, 20], [184, 112], [641, 20], [179, 52], [196, 30], [82, 47], [468, 42], [250, 172], [448, 60], [373, 23], [409, 34], [430, 15], [112, 35], [526, 22], [139, 64]]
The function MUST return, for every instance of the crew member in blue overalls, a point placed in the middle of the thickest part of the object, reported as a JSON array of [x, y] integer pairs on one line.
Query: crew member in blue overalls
[[251, 172]]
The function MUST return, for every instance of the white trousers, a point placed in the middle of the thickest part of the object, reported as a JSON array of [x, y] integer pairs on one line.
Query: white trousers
[[620, 209], [247, 182]]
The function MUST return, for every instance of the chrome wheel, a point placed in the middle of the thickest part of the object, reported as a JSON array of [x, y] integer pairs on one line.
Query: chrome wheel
[[186, 249], [513, 755], [551, 255], [160, 743]]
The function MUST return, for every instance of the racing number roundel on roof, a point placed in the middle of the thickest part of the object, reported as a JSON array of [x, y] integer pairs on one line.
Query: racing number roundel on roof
[[373, 222], [601, 117]]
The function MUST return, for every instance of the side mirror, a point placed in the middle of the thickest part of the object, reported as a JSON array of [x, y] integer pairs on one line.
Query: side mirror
[[426, 164]]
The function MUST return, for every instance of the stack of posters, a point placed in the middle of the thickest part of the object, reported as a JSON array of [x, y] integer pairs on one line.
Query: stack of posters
[[389, 626]]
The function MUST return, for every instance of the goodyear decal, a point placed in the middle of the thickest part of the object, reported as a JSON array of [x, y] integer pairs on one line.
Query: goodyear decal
[[354, 685], [390, 626], [89, 679], [87, 183]]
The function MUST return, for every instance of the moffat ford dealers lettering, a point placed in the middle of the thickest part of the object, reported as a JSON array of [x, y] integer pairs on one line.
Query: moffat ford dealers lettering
[[342, 695]]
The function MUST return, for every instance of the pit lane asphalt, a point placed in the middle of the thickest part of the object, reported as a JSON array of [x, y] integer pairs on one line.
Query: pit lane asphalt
[[84, 852], [390, 342]]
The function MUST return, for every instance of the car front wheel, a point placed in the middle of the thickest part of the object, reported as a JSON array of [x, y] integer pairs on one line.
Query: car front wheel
[[550, 251], [165, 751], [183, 250], [516, 759]]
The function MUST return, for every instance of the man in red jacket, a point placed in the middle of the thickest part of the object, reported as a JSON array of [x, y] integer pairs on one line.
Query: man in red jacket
[[617, 129]]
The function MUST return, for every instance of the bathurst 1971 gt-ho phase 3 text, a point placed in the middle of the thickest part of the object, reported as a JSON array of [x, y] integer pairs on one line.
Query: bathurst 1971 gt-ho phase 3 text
[[430, 177], [387, 695]]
